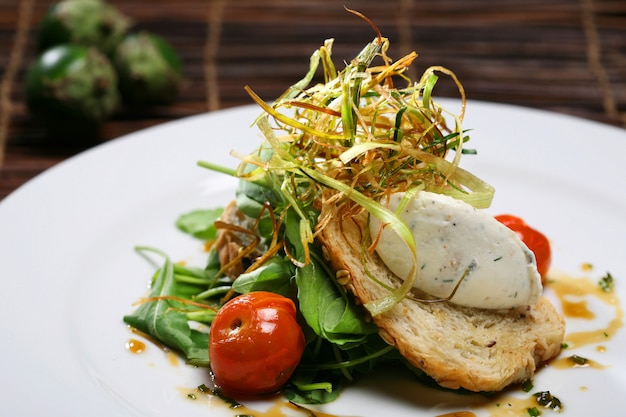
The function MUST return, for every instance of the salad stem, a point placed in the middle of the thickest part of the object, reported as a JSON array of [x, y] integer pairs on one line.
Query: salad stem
[[217, 168]]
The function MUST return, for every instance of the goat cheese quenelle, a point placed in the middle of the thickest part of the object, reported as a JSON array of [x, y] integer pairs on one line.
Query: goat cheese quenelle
[[455, 242]]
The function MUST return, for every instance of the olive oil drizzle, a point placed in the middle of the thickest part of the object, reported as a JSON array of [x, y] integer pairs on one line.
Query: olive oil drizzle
[[574, 295]]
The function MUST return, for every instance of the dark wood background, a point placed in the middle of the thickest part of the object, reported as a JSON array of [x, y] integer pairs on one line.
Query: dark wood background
[[567, 56]]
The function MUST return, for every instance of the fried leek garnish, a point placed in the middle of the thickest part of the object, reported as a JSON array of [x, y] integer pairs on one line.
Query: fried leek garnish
[[363, 133]]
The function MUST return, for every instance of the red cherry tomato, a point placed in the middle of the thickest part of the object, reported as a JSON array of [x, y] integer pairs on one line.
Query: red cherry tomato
[[255, 343], [534, 239]]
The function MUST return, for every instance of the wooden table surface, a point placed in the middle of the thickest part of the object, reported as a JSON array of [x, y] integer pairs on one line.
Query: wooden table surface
[[567, 56]]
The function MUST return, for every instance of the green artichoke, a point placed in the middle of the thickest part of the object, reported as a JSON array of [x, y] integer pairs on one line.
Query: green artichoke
[[149, 70], [83, 22], [71, 87]]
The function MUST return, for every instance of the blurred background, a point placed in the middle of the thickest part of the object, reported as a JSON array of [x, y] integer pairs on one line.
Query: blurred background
[[566, 56]]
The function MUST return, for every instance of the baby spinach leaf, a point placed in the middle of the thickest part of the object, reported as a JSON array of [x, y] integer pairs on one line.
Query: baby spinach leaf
[[200, 223], [305, 389], [160, 316], [274, 275], [251, 199], [327, 308], [323, 303], [191, 280]]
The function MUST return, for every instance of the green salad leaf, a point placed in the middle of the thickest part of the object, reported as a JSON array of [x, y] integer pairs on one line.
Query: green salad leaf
[[200, 223], [162, 316], [276, 275]]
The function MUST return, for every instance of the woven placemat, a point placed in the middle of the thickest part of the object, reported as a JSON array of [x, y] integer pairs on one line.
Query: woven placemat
[[567, 56]]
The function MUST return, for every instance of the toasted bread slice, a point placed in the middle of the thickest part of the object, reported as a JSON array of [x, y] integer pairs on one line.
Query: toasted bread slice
[[459, 347]]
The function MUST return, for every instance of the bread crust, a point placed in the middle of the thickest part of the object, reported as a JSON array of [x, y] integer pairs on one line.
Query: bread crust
[[459, 347]]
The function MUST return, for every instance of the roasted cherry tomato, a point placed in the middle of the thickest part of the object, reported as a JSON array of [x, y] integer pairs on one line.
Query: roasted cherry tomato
[[255, 343], [534, 239]]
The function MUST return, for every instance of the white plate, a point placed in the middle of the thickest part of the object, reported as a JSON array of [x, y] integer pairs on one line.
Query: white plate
[[69, 272]]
